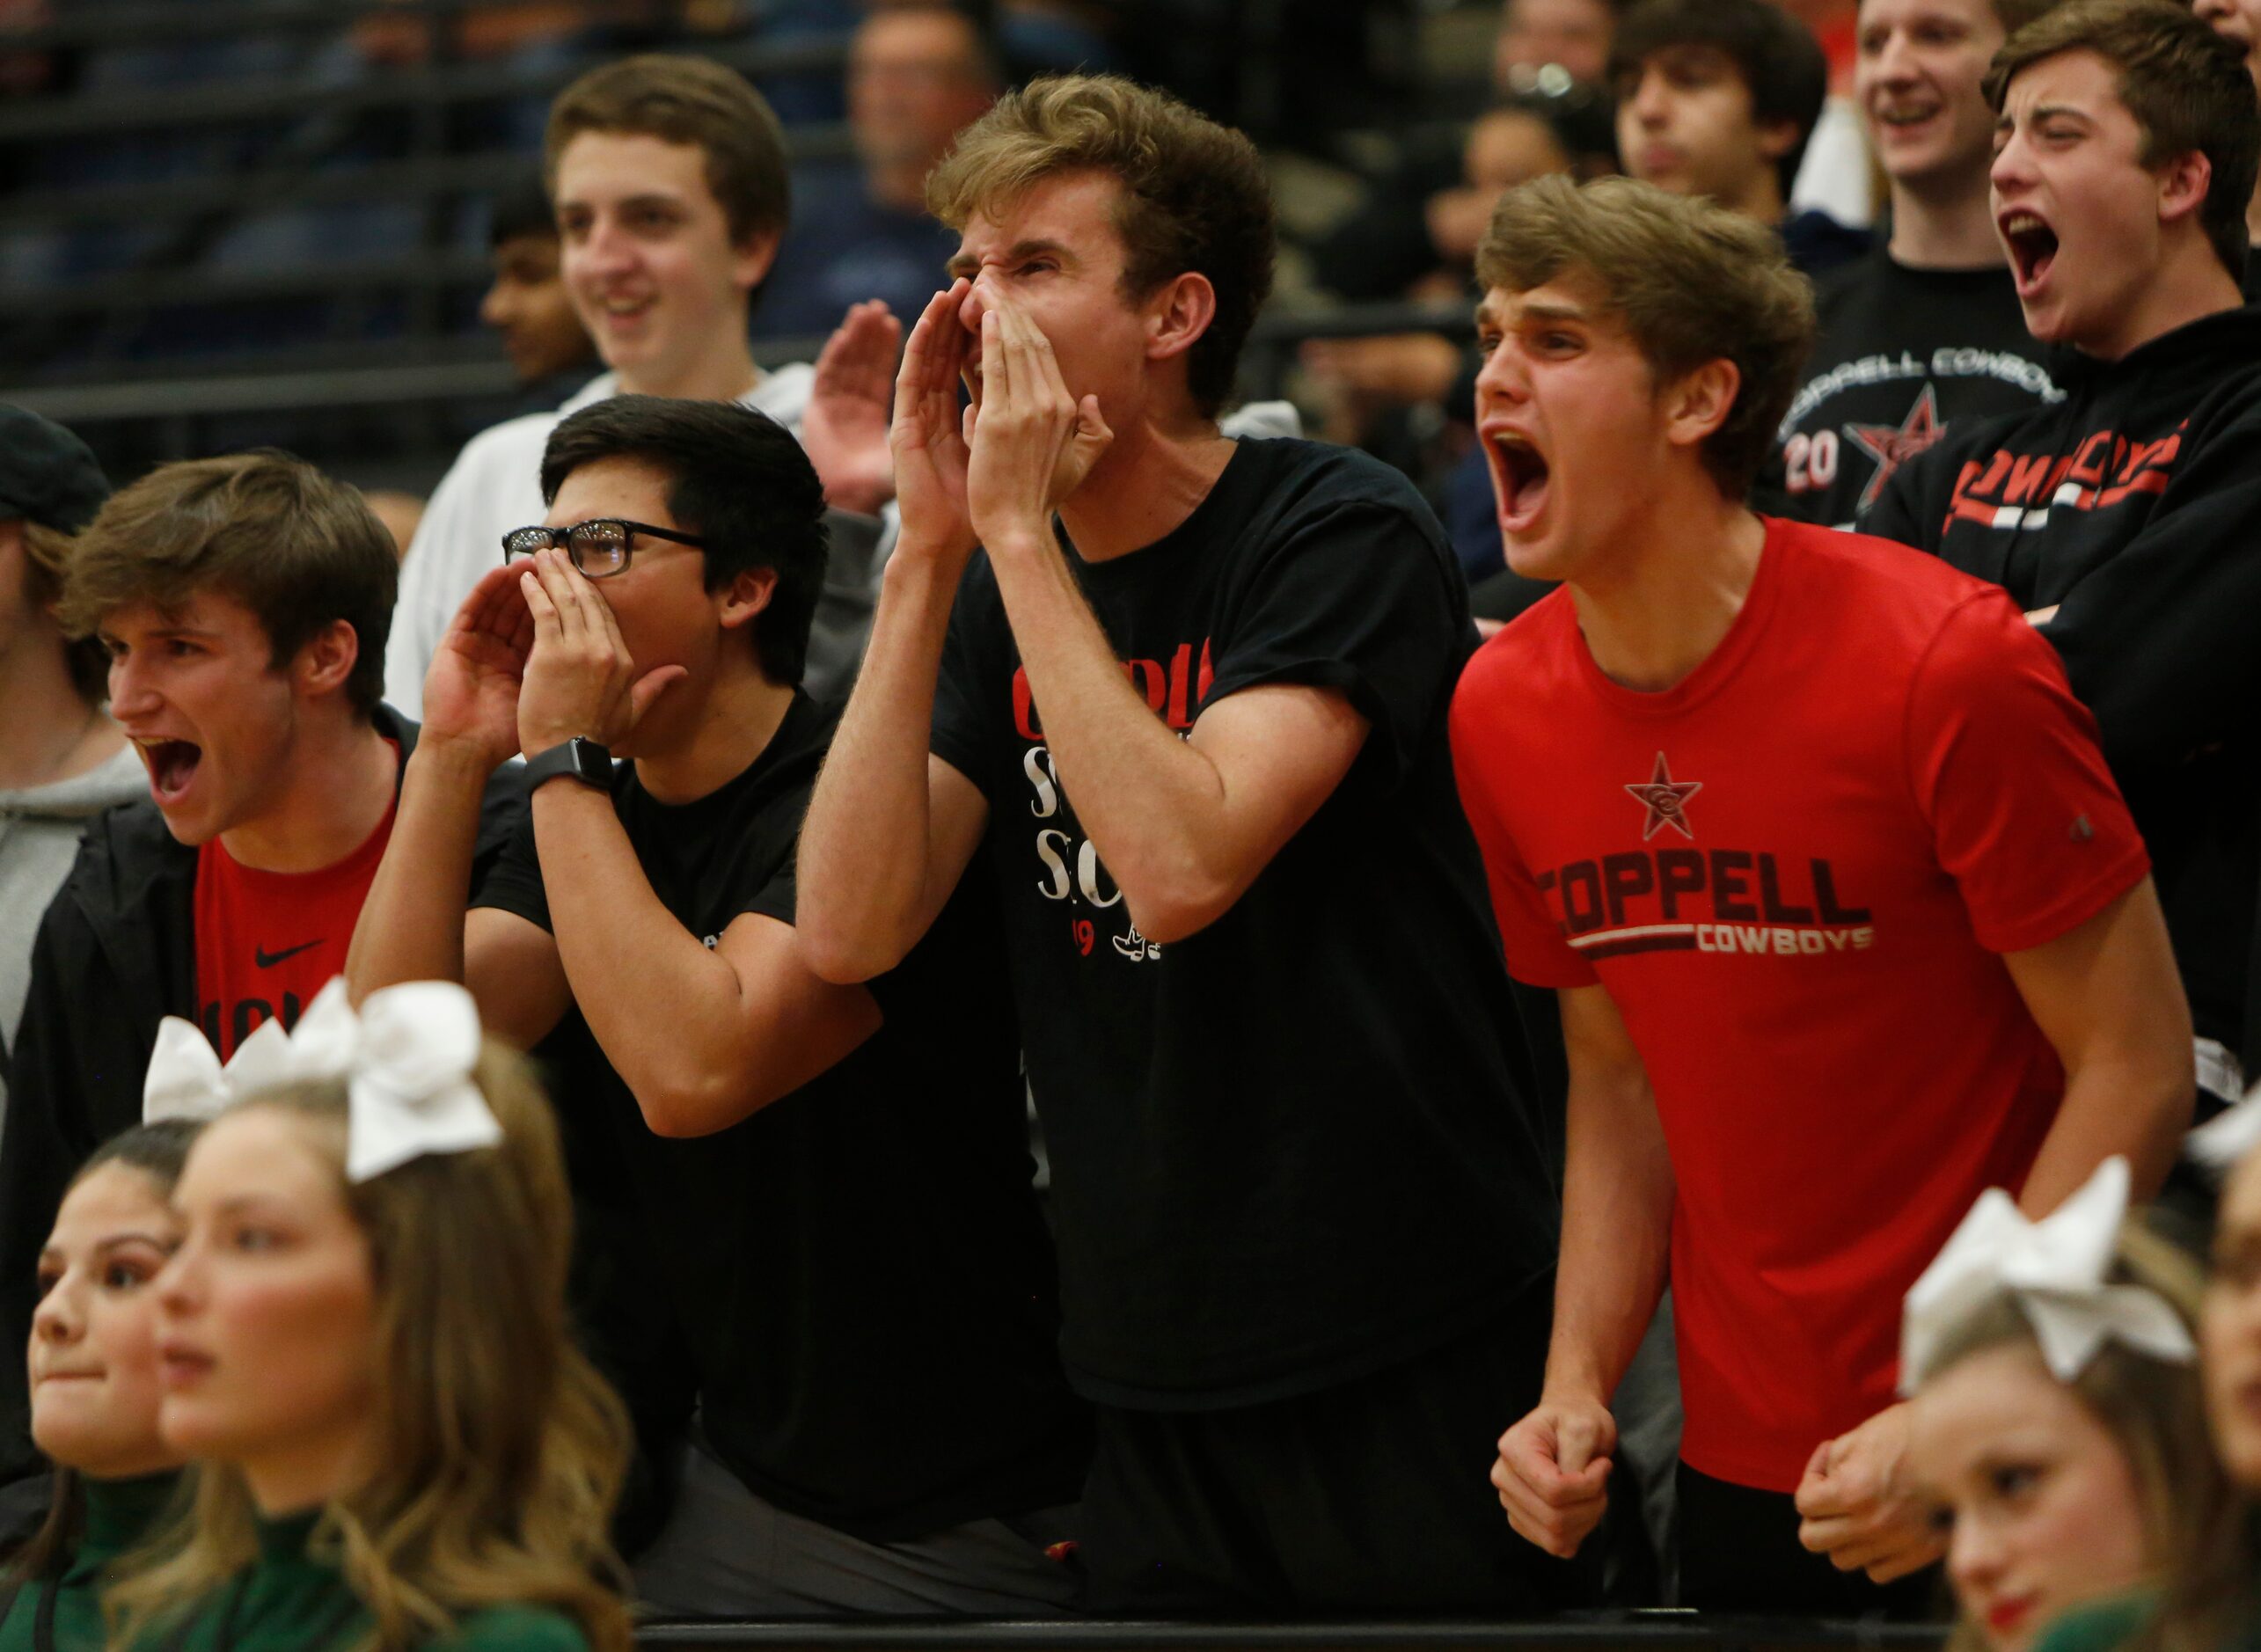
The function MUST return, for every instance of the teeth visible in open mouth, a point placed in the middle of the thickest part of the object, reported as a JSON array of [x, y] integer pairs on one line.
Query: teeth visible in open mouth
[[1908, 117], [172, 764], [2031, 242]]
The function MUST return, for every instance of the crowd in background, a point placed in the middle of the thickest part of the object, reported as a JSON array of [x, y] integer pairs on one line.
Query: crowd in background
[[1636, 959]]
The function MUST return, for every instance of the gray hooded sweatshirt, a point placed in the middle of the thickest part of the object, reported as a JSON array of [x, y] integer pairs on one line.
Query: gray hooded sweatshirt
[[40, 828]]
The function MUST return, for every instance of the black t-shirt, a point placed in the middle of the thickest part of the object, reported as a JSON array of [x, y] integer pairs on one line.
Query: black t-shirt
[[1902, 353], [856, 1281], [1298, 1145]]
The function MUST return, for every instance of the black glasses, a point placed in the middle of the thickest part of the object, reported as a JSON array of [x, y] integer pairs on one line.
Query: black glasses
[[599, 549]]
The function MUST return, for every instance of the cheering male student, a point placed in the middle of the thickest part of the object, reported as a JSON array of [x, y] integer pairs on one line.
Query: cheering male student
[[847, 1273], [2123, 521], [1188, 701], [1846, 918]]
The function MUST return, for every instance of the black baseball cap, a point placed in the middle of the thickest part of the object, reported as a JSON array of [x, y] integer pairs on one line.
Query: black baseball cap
[[46, 475]]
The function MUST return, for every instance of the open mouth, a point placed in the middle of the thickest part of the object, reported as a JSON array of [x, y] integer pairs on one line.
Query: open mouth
[[173, 765], [1901, 116], [2032, 247], [1521, 476]]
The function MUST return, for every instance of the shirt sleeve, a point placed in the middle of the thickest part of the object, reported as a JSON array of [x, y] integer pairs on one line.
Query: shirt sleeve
[[2005, 767], [1364, 599], [513, 882], [1537, 954]]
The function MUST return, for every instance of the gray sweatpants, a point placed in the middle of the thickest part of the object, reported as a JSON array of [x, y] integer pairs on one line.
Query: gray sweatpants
[[727, 1553]]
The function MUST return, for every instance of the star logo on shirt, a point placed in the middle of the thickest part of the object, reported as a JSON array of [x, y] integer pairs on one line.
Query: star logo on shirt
[[1666, 800], [1893, 446]]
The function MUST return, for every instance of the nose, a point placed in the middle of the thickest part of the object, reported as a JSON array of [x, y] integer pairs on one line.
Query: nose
[[2011, 169], [2213, 10], [130, 693], [1894, 65], [1500, 380], [1974, 1559], [1649, 99], [176, 1286], [975, 304], [495, 308], [602, 249], [57, 1320]]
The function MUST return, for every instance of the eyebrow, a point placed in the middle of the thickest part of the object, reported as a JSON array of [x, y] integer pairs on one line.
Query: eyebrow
[[164, 632], [966, 263], [54, 1252], [649, 198], [1554, 312]]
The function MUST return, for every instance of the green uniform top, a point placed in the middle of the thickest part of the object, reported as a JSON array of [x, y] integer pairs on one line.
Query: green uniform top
[[290, 1601], [2101, 1625], [65, 1614]]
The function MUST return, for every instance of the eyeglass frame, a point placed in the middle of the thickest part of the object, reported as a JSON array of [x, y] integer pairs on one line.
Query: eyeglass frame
[[561, 539]]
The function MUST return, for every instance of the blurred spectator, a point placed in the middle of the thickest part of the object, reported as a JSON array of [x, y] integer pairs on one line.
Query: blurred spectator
[[1533, 33], [62, 759], [2239, 21], [2122, 522], [1927, 329], [549, 348], [2216, 1599], [917, 75], [1718, 97]]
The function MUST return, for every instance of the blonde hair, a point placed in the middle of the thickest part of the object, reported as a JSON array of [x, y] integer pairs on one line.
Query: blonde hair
[[1692, 281], [1194, 195], [501, 1450], [2155, 1412]]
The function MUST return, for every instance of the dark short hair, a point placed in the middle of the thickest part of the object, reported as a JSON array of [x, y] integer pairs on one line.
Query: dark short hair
[[740, 482], [1195, 195], [2186, 86], [1779, 61], [1692, 281], [521, 210], [693, 100], [300, 550]]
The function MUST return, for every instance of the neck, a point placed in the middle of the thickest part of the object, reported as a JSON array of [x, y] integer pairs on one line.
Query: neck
[[300, 1477], [2188, 285], [1147, 483], [49, 733], [723, 373], [1948, 228], [1761, 198], [2253, 219], [729, 732], [340, 786], [1667, 598]]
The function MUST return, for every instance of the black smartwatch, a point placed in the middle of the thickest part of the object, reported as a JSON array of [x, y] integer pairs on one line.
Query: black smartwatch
[[583, 760]]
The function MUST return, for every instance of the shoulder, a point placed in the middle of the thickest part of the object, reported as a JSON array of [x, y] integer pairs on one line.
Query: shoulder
[[1522, 664], [515, 1629], [1875, 585], [511, 442], [126, 852], [1302, 476]]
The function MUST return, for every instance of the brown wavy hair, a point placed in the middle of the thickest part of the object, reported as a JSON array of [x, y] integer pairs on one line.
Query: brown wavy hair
[[501, 1449], [1692, 282], [1195, 197]]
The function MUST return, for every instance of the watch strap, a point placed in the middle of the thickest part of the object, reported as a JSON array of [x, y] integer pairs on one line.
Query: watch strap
[[578, 759]]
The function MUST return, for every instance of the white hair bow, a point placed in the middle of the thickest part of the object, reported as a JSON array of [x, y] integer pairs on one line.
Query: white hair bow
[[2054, 1269], [406, 1058], [2224, 1139]]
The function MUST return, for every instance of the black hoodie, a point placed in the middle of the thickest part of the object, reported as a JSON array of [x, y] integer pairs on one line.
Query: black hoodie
[[116, 955], [2134, 507]]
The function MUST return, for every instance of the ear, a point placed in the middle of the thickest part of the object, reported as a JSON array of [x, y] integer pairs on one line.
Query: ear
[[751, 258], [1178, 312], [2184, 183], [325, 660], [1698, 403], [745, 596]]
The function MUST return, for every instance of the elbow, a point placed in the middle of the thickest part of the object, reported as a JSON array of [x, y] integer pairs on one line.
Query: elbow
[[844, 958], [1173, 908], [702, 1100]]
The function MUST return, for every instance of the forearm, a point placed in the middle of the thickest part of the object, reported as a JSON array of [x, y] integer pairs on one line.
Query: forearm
[[2128, 1103], [665, 1008], [863, 861], [1617, 1220], [1153, 805], [412, 925]]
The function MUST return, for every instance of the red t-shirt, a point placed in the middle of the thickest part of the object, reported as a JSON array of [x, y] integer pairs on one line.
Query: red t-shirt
[[267, 942], [1794, 873]]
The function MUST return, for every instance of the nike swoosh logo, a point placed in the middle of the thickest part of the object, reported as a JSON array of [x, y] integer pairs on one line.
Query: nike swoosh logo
[[267, 959]]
